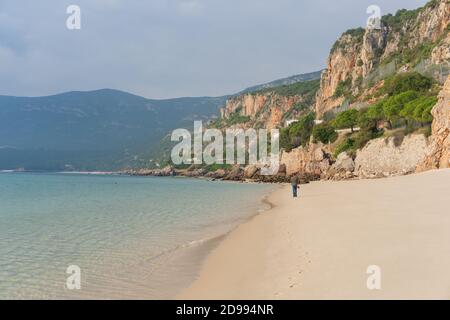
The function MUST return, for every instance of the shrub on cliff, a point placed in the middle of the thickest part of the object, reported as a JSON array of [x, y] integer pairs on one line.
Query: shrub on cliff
[[396, 22], [402, 82], [422, 110], [419, 110], [324, 133], [343, 88], [348, 145], [356, 35], [393, 106], [308, 88], [375, 112], [346, 119], [367, 121], [300, 131], [297, 133], [236, 117], [285, 140]]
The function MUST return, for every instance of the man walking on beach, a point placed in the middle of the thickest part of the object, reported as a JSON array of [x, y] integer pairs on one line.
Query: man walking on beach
[[294, 183]]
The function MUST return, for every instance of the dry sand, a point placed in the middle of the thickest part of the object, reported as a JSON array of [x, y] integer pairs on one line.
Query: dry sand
[[320, 245]]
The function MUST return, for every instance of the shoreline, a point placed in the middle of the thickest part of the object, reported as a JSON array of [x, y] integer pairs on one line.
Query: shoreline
[[267, 199], [320, 245], [203, 248]]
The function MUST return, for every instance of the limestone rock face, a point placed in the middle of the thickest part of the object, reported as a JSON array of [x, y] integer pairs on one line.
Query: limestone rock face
[[312, 159], [391, 156], [352, 58], [252, 105], [441, 53], [438, 154], [248, 104], [432, 22]]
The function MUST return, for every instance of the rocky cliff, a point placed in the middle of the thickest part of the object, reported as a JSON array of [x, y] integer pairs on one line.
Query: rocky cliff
[[263, 109], [269, 108], [361, 57], [438, 154]]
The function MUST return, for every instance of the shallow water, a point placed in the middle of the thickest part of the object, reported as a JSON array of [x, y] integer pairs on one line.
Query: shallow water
[[132, 237]]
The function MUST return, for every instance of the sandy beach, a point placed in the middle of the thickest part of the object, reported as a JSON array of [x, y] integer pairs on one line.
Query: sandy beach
[[320, 245]]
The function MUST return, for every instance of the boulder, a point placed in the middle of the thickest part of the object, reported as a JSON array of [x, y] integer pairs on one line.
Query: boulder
[[250, 171], [167, 171], [195, 173], [218, 174], [312, 159], [344, 163], [282, 169], [235, 174]]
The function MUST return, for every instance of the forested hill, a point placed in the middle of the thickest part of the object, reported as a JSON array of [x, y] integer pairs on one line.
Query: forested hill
[[95, 130]]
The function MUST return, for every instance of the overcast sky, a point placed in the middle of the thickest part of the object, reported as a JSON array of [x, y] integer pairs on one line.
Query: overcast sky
[[170, 48]]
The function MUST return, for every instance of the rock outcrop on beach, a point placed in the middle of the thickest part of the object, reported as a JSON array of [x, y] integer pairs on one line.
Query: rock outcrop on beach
[[384, 157], [438, 154], [342, 169], [163, 172], [218, 174], [314, 159]]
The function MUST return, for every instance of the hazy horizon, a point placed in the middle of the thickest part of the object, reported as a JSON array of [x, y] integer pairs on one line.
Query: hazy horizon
[[168, 49]]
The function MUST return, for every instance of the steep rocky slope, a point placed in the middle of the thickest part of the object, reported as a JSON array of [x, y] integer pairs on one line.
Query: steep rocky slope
[[385, 156], [269, 108], [438, 154], [416, 39]]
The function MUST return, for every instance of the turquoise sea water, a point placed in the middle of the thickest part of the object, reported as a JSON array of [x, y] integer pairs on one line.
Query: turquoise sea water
[[132, 237]]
